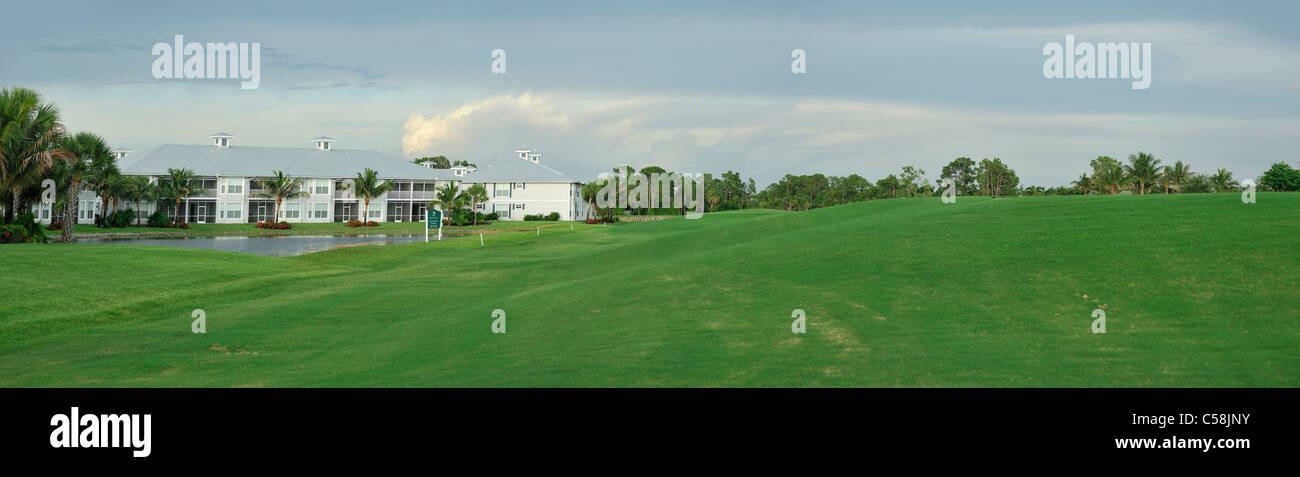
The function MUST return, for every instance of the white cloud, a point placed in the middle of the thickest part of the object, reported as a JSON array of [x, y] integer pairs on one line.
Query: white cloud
[[584, 134]]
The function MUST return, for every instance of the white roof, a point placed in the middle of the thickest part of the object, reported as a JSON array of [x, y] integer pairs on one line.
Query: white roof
[[250, 161], [253, 161]]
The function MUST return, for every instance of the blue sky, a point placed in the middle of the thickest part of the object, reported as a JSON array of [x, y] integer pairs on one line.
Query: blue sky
[[687, 86]]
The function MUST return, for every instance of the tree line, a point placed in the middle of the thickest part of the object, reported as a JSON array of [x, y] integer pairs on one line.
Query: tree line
[[1143, 173]]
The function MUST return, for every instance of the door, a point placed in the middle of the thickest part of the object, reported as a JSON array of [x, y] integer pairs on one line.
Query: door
[[202, 214]]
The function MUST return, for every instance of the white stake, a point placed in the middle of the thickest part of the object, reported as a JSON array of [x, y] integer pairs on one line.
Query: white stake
[[480, 240]]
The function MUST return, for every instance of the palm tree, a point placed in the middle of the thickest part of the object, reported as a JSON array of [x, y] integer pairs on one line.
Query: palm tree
[[103, 178], [180, 184], [84, 152], [139, 188], [367, 186], [449, 198], [1223, 181], [1107, 172], [589, 192], [282, 187], [1142, 169], [1176, 175], [29, 131], [1083, 183], [476, 194]]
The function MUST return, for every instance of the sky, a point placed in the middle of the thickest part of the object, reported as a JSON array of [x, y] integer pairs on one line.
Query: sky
[[689, 86]]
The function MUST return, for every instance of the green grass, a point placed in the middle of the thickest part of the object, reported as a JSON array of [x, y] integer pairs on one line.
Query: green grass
[[1201, 290], [331, 228]]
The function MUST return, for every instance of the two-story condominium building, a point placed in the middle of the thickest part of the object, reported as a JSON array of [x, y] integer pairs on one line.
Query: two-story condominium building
[[231, 179]]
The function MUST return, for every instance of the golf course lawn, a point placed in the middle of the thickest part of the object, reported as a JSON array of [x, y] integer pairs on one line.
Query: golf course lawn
[[1199, 290]]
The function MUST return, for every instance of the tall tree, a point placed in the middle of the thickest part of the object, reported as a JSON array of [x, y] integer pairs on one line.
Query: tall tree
[[282, 187], [891, 184], [84, 152], [476, 194], [1280, 177], [995, 177], [139, 189], [435, 162], [104, 178], [1174, 176], [911, 178], [1223, 181], [649, 171], [961, 171], [589, 192], [1083, 183], [29, 132], [180, 184], [1108, 173], [1142, 169], [449, 198], [367, 186]]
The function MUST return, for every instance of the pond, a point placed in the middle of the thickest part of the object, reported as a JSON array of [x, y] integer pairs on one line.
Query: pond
[[279, 246]]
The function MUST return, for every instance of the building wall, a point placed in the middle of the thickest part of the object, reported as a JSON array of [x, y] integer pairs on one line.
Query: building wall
[[523, 198], [229, 201]]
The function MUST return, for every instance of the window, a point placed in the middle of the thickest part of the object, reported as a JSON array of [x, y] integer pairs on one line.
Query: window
[[231, 210], [292, 210], [86, 210], [321, 211], [232, 186], [320, 187], [502, 210], [209, 184], [501, 190], [375, 214]]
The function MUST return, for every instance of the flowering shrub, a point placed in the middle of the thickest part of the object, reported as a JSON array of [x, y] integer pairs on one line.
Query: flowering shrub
[[273, 225], [357, 223], [181, 225], [13, 233], [56, 225]]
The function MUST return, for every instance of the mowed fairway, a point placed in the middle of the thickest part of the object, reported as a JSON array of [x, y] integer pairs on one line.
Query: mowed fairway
[[1200, 290]]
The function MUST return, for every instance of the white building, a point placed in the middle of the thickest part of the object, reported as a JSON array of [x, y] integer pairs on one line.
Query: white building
[[231, 175]]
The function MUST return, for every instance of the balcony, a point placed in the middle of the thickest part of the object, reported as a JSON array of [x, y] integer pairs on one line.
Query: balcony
[[413, 195]]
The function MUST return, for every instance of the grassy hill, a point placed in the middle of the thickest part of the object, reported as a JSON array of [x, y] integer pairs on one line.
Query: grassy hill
[[1200, 290]]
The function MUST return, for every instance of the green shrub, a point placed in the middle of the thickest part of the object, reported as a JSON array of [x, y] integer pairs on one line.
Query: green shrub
[[158, 219], [35, 232], [121, 218], [13, 233], [493, 216], [553, 216]]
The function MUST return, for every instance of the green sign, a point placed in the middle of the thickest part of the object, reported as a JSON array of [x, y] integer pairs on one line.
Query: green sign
[[434, 218]]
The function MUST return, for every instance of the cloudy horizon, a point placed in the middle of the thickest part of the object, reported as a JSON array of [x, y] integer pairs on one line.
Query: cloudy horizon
[[687, 87]]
